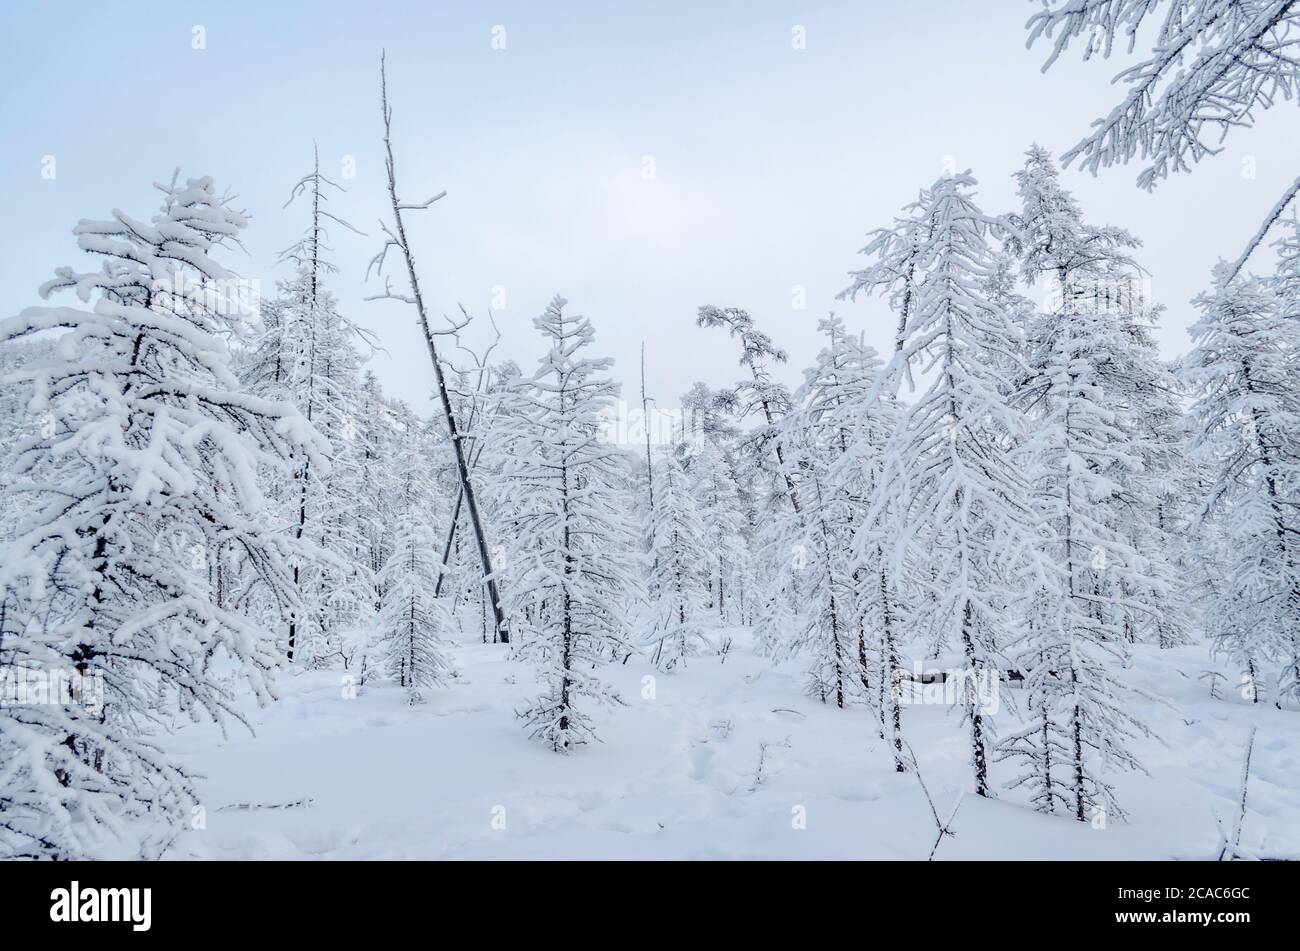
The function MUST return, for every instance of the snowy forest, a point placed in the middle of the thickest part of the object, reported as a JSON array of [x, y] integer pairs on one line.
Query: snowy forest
[[1020, 583]]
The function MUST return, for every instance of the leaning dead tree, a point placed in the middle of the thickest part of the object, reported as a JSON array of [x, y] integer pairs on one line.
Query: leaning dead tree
[[474, 397], [395, 237]]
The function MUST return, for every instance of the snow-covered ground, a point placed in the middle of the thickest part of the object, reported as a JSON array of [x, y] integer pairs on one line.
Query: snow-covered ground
[[457, 777]]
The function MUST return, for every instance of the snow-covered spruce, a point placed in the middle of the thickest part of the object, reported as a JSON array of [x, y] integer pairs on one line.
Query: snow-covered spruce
[[570, 562], [1075, 642], [140, 484], [325, 511], [952, 491], [1087, 273], [763, 457], [1247, 434], [1104, 445], [760, 394], [677, 550], [308, 355], [412, 620], [721, 511], [818, 432]]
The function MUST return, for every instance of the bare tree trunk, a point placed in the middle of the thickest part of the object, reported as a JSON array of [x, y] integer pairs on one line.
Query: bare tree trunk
[[978, 757], [889, 705], [399, 240], [1233, 844]]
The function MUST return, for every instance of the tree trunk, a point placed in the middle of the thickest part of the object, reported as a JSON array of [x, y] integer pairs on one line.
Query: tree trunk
[[453, 432]]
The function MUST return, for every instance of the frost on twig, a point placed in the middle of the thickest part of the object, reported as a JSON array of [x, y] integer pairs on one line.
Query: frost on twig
[[1230, 843], [760, 773]]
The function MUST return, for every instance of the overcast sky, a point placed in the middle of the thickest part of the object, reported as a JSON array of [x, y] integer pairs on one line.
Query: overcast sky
[[642, 160]]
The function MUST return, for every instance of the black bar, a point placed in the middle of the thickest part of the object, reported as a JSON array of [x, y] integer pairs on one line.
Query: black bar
[[943, 901]]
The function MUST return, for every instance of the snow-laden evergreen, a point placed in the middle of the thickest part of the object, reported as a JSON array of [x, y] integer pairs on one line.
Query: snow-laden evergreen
[[1086, 274], [1243, 373], [950, 480], [1075, 639], [720, 509], [146, 480], [679, 620], [832, 411], [413, 622], [1105, 442], [570, 565], [307, 354]]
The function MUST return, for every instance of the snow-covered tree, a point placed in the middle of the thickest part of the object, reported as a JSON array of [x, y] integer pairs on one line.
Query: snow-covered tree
[[570, 560], [152, 447], [825, 629], [1214, 66], [760, 394], [822, 426], [950, 482], [395, 237], [722, 514], [1075, 641], [896, 253], [1105, 450], [1243, 371], [677, 551], [324, 510], [307, 354], [855, 417], [764, 464], [378, 440], [1087, 273], [412, 619]]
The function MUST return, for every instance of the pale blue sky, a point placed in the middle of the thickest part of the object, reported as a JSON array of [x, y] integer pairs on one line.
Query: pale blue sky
[[771, 163]]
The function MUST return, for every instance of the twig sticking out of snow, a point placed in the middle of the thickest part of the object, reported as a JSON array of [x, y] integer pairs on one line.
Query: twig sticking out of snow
[[915, 768], [763, 746], [305, 803], [1213, 677], [1231, 848], [943, 828], [724, 650]]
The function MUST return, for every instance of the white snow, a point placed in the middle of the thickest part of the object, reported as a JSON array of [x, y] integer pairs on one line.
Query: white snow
[[675, 777]]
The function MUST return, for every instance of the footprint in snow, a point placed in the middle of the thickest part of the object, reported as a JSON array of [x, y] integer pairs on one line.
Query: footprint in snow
[[701, 763]]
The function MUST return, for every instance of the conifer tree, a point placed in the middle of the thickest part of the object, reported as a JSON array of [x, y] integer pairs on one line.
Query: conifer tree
[[1242, 371], [570, 561], [151, 440], [950, 480], [677, 550], [412, 620]]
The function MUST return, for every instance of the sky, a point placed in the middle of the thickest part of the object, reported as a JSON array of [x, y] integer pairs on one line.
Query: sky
[[639, 159]]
